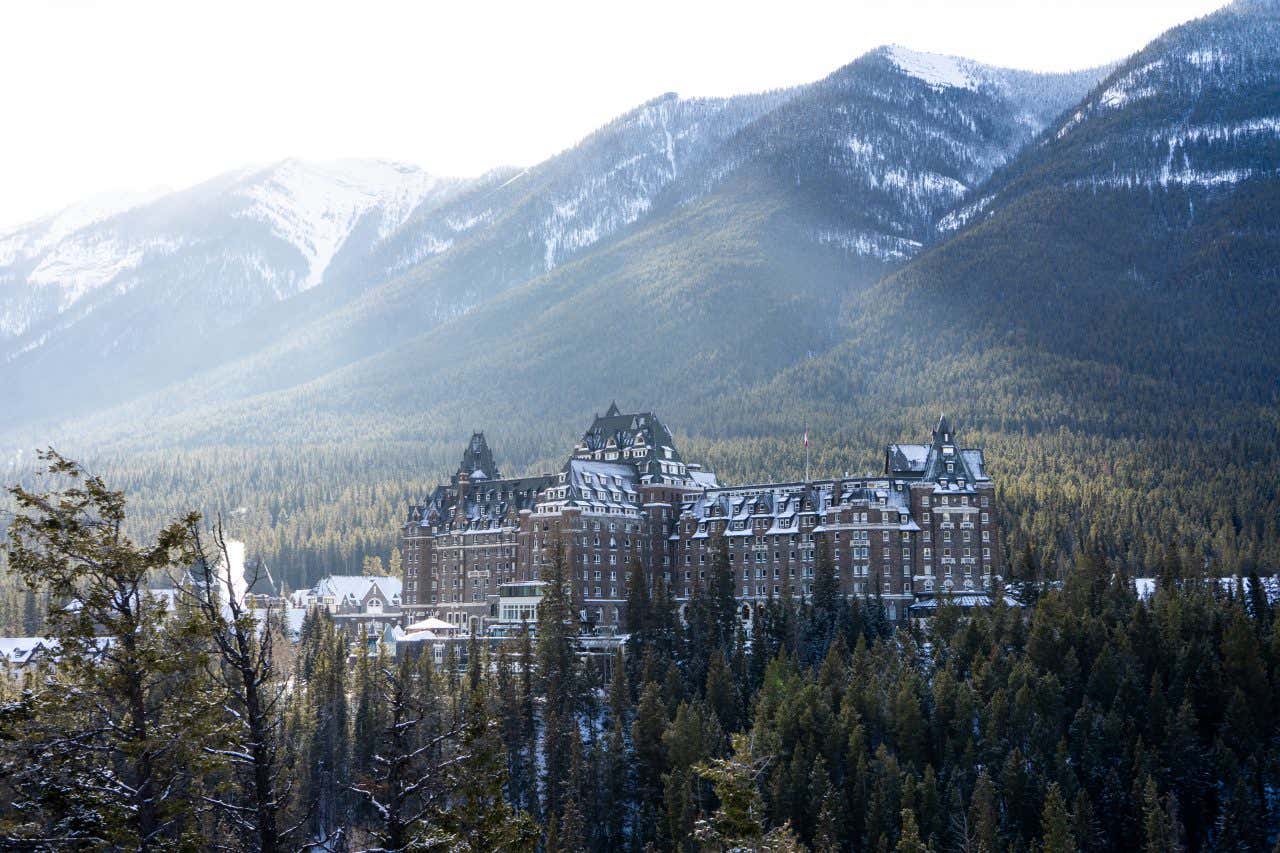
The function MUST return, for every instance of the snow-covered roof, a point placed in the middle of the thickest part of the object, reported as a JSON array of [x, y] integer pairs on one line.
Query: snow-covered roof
[[18, 650], [603, 486], [21, 650], [353, 589], [966, 600], [909, 457], [704, 479], [782, 502], [430, 624]]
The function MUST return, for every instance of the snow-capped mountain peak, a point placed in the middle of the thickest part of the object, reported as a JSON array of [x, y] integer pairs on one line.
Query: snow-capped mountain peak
[[314, 206], [269, 233]]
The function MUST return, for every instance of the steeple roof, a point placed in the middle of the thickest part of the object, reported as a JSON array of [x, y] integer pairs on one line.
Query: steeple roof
[[942, 433], [477, 461]]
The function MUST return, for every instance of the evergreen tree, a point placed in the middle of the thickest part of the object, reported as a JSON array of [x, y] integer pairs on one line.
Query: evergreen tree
[[721, 693], [650, 757], [327, 756], [909, 840], [402, 785], [1056, 824], [251, 689], [366, 724], [984, 814], [1158, 832], [722, 602], [557, 664], [476, 817], [107, 752]]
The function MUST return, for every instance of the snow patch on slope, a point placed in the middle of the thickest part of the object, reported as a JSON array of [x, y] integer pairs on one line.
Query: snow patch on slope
[[868, 244], [315, 206], [86, 262], [1132, 86], [936, 69], [29, 239]]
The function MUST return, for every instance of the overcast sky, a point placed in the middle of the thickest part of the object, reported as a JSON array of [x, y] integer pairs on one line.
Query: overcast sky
[[100, 96]]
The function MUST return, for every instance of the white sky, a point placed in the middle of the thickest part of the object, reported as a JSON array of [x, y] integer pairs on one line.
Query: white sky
[[100, 96]]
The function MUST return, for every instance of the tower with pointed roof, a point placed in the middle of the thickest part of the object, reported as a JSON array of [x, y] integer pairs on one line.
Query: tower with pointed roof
[[477, 461]]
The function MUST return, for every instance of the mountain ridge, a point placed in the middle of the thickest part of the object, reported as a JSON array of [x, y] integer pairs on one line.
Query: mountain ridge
[[456, 243]]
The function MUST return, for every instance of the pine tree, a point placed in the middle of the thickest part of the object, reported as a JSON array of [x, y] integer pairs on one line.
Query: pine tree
[[327, 757], [824, 618], [366, 724], [525, 749], [740, 816], [476, 816], [650, 755], [693, 736], [1158, 834], [402, 786], [723, 604], [1056, 824], [107, 752], [909, 840], [721, 693], [251, 689], [558, 668], [639, 604], [984, 815]]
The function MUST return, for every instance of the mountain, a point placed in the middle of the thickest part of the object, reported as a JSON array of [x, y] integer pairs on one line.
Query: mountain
[[265, 280], [1102, 312], [118, 302]]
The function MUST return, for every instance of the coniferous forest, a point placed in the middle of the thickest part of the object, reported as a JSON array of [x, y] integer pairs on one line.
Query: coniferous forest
[[1085, 720]]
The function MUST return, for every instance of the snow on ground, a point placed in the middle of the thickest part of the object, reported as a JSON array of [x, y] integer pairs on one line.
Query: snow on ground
[[935, 69], [31, 238], [959, 218], [1132, 86], [315, 206], [868, 244], [88, 260]]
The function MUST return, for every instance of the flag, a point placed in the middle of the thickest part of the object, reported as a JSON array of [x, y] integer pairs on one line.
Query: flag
[[806, 435]]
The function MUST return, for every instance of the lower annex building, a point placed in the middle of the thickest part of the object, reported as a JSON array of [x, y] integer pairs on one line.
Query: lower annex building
[[475, 551]]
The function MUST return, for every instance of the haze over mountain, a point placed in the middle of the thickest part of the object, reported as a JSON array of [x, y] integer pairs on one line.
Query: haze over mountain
[[1082, 267], [173, 286]]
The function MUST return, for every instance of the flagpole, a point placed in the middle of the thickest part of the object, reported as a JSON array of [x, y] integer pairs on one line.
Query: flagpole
[[806, 453]]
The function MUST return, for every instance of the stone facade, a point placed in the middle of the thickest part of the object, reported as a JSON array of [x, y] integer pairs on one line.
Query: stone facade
[[626, 500]]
